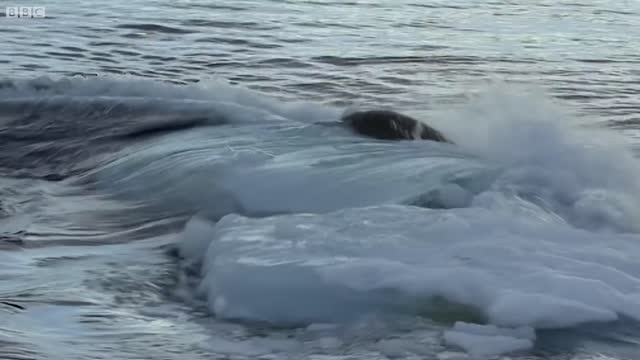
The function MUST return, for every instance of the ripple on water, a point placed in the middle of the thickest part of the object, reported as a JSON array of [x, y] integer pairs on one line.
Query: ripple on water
[[155, 28]]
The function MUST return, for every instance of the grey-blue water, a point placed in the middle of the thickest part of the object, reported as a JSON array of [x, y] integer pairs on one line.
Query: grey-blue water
[[128, 129]]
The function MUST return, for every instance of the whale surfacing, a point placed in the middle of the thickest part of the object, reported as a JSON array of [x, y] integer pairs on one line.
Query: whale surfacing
[[390, 125]]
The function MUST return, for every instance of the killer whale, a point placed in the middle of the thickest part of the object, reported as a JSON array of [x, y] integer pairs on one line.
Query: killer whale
[[391, 125]]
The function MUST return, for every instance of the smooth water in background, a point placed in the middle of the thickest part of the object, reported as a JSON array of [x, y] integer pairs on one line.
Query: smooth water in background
[[173, 186]]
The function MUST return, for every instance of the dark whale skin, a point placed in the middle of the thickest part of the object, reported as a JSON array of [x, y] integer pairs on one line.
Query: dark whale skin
[[391, 125]]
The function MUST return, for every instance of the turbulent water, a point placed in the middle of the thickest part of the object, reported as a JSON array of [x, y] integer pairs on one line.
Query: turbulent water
[[173, 184]]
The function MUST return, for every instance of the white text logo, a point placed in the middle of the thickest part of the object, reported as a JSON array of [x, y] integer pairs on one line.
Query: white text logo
[[25, 12]]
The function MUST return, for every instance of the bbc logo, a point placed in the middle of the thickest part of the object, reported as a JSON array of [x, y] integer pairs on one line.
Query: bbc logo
[[25, 12]]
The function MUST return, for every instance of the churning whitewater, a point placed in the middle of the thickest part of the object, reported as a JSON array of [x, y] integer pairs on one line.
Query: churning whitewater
[[526, 222]]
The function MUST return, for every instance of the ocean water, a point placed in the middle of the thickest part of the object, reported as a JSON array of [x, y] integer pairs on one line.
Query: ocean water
[[173, 184]]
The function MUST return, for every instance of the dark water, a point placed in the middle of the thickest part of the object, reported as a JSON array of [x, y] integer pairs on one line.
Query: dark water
[[116, 127]]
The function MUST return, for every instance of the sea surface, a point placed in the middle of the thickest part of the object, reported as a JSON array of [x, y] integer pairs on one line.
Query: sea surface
[[174, 182]]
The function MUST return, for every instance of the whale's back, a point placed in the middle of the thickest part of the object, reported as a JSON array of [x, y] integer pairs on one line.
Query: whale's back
[[390, 125]]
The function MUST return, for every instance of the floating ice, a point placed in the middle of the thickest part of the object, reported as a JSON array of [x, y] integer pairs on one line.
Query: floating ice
[[484, 341], [517, 271]]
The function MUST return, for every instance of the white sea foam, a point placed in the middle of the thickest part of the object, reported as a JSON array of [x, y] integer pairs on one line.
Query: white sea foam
[[235, 101]]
